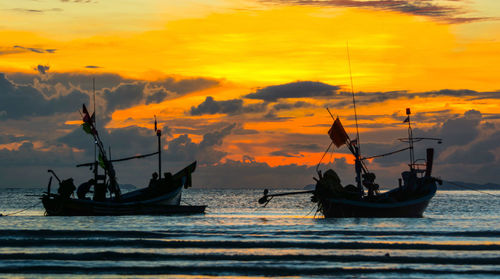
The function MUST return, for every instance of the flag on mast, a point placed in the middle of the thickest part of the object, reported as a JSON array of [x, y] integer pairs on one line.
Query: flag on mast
[[88, 121], [155, 124], [338, 134]]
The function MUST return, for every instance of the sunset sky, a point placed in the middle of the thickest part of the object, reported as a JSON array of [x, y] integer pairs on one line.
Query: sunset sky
[[242, 87]]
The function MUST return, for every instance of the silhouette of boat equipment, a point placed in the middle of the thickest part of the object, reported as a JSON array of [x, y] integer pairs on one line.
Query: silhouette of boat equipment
[[416, 187], [161, 197]]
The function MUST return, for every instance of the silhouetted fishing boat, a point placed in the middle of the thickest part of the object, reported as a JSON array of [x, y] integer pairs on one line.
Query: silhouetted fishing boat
[[161, 197], [416, 187]]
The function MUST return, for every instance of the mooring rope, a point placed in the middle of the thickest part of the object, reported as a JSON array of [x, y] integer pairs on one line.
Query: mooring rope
[[13, 213], [470, 188]]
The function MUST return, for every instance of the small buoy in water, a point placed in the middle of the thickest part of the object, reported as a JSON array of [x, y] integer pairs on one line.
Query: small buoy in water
[[387, 254]]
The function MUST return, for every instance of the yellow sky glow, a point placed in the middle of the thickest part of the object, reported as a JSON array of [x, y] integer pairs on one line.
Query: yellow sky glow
[[248, 49]]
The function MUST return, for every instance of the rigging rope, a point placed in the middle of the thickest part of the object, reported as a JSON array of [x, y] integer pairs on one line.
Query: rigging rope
[[470, 188], [386, 154], [317, 167], [13, 213]]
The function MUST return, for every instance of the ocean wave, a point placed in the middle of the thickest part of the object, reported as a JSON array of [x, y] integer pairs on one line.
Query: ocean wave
[[228, 232], [121, 256], [234, 270], [142, 243]]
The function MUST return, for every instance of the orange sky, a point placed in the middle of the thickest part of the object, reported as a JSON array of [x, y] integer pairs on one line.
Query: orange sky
[[248, 45]]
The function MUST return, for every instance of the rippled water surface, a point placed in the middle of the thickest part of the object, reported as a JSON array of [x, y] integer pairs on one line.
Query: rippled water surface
[[459, 237]]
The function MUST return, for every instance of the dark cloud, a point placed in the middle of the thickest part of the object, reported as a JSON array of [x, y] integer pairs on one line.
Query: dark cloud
[[470, 141], [474, 157], [282, 153], [26, 155], [230, 107], [139, 140], [272, 113], [210, 106], [72, 80], [312, 147], [112, 91], [27, 166], [461, 137], [36, 50], [457, 131], [182, 148], [124, 96], [93, 67], [176, 86], [340, 164], [272, 116], [37, 11], [6, 138], [19, 101], [156, 97], [471, 148], [429, 8], [255, 108], [366, 98], [476, 154], [299, 89], [288, 106], [42, 69], [185, 85]]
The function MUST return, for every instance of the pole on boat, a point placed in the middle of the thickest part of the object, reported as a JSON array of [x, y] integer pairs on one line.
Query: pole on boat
[[267, 198], [158, 134], [410, 138], [353, 99], [96, 163], [358, 167], [357, 148]]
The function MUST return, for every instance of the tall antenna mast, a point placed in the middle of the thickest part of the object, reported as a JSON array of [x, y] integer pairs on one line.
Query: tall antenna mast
[[95, 124], [410, 139], [93, 91], [357, 147], [353, 99]]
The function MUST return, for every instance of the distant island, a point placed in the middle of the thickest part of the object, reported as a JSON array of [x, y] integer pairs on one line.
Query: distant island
[[458, 185]]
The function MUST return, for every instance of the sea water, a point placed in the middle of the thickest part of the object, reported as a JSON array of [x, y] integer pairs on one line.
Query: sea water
[[459, 237]]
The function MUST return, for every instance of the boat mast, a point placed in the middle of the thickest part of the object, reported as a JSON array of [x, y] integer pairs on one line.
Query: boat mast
[[353, 99], [108, 166], [410, 139], [357, 146], [96, 164], [158, 134]]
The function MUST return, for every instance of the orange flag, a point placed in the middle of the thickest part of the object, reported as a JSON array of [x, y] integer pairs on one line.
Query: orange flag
[[338, 134]]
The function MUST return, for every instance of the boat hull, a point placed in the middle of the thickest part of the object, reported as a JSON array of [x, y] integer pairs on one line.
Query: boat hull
[[164, 205], [71, 207], [160, 200], [344, 208]]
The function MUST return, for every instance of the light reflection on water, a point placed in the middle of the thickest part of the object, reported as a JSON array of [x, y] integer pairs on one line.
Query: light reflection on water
[[238, 238]]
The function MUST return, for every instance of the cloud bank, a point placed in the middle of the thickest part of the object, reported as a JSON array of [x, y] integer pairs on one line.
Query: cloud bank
[[299, 89], [450, 11]]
